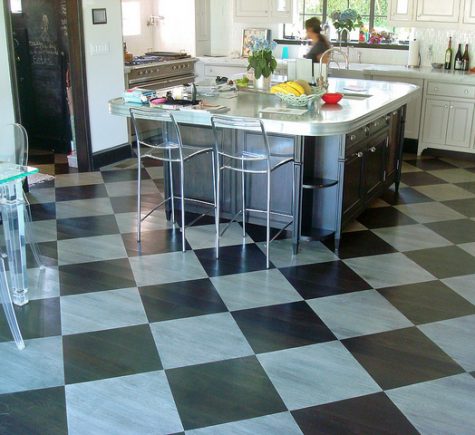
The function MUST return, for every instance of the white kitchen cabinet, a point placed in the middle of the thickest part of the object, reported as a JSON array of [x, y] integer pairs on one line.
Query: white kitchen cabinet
[[263, 11], [202, 20], [441, 11], [447, 122], [459, 124], [469, 12], [414, 107], [436, 118], [401, 10]]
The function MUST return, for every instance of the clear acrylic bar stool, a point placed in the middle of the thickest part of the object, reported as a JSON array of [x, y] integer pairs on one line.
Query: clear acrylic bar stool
[[165, 144], [6, 301], [260, 162]]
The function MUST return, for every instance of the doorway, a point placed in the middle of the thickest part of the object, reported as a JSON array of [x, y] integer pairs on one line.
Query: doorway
[[41, 53]]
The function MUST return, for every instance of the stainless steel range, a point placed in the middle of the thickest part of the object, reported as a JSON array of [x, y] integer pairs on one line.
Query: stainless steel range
[[159, 70]]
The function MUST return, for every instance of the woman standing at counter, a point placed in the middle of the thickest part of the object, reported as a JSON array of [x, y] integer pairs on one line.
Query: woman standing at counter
[[319, 42]]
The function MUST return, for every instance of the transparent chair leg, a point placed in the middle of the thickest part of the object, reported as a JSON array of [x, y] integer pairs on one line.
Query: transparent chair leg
[[6, 300], [29, 234]]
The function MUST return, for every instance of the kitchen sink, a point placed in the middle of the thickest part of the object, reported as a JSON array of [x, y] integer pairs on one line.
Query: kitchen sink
[[355, 96]]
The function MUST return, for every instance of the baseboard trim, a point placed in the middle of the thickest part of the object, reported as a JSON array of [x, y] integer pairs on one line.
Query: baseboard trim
[[461, 155], [112, 155]]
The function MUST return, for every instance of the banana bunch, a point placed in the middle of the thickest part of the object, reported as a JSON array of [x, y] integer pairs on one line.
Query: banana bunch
[[297, 88]]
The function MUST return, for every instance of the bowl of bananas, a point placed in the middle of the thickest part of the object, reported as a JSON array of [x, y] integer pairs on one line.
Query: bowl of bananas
[[297, 93]]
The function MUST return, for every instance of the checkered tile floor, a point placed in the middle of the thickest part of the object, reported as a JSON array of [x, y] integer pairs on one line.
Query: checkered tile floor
[[131, 340]]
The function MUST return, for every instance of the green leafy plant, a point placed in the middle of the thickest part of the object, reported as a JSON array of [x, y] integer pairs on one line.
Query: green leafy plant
[[348, 19], [261, 59]]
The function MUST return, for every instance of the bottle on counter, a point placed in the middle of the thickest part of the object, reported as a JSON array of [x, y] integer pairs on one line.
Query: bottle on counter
[[466, 59], [458, 64], [448, 55]]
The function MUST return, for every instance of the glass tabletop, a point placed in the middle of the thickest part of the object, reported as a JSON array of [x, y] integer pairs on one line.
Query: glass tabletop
[[10, 172]]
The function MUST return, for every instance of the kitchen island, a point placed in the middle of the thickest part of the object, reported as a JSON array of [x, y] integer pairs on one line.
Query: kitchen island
[[345, 155]]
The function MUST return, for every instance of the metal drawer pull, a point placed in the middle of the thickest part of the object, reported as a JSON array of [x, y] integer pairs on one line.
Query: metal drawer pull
[[359, 154], [466, 91], [451, 107], [353, 137], [366, 130], [373, 149]]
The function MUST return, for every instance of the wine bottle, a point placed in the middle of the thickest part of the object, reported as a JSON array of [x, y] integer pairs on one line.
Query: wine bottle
[[466, 59], [448, 55], [458, 64]]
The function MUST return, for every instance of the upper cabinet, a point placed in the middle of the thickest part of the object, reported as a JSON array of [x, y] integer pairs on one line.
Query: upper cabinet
[[401, 10], [263, 11], [441, 11], [469, 13], [432, 13]]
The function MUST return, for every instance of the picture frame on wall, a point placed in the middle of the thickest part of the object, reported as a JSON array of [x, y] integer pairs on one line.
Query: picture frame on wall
[[248, 33]]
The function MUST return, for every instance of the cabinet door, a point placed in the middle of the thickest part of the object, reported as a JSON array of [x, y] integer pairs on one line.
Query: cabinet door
[[202, 22], [414, 107], [282, 11], [401, 10], [436, 117], [392, 147], [251, 8], [353, 184], [442, 11], [460, 124], [375, 165], [469, 15]]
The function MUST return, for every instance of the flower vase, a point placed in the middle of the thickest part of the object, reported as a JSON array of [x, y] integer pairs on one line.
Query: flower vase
[[342, 36], [262, 83]]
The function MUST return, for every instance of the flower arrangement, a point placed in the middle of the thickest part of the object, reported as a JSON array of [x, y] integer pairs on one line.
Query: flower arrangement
[[261, 59], [348, 19], [380, 37]]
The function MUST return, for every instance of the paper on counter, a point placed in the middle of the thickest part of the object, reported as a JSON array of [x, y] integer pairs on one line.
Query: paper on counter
[[283, 110]]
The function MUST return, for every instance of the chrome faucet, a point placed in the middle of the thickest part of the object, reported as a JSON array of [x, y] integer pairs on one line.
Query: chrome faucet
[[323, 78]]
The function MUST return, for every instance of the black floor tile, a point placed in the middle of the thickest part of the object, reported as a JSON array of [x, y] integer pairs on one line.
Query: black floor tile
[[123, 175], [48, 254], [232, 259], [34, 412], [258, 233], [154, 242], [64, 168], [111, 353], [427, 302], [458, 231], [43, 211], [369, 415], [381, 217], [89, 226], [81, 192], [148, 163], [470, 186], [324, 279], [38, 318], [360, 244], [406, 195], [420, 179], [401, 357], [463, 206], [444, 262], [181, 299], [430, 164], [278, 327], [95, 276], [221, 392], [127, 204]]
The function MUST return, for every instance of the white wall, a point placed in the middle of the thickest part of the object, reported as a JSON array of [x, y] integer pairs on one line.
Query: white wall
[[176, 31], [7, 114], [144, 42], [105, 74]]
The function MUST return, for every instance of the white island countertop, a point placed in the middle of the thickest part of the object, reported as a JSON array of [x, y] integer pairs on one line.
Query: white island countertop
[[370, 100]]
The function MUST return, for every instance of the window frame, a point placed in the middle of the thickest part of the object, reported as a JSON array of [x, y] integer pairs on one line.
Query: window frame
[[303, 16]]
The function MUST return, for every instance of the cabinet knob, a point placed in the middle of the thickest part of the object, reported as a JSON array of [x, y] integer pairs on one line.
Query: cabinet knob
[[353, 137], [366, 130], [465, 92], [451, 107], [373, 149], [436, 89], [446, 106], [359, 154]]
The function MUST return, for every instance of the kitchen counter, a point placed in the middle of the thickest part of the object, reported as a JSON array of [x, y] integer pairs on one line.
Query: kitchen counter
[[345, 155], [423, 72], [320, 120]]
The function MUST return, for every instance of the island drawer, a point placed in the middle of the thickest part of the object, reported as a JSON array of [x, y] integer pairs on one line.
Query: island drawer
[[450, 90], [356, 136]]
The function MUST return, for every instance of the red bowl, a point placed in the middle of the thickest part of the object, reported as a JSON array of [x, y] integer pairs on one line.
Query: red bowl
[[332, 98]]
